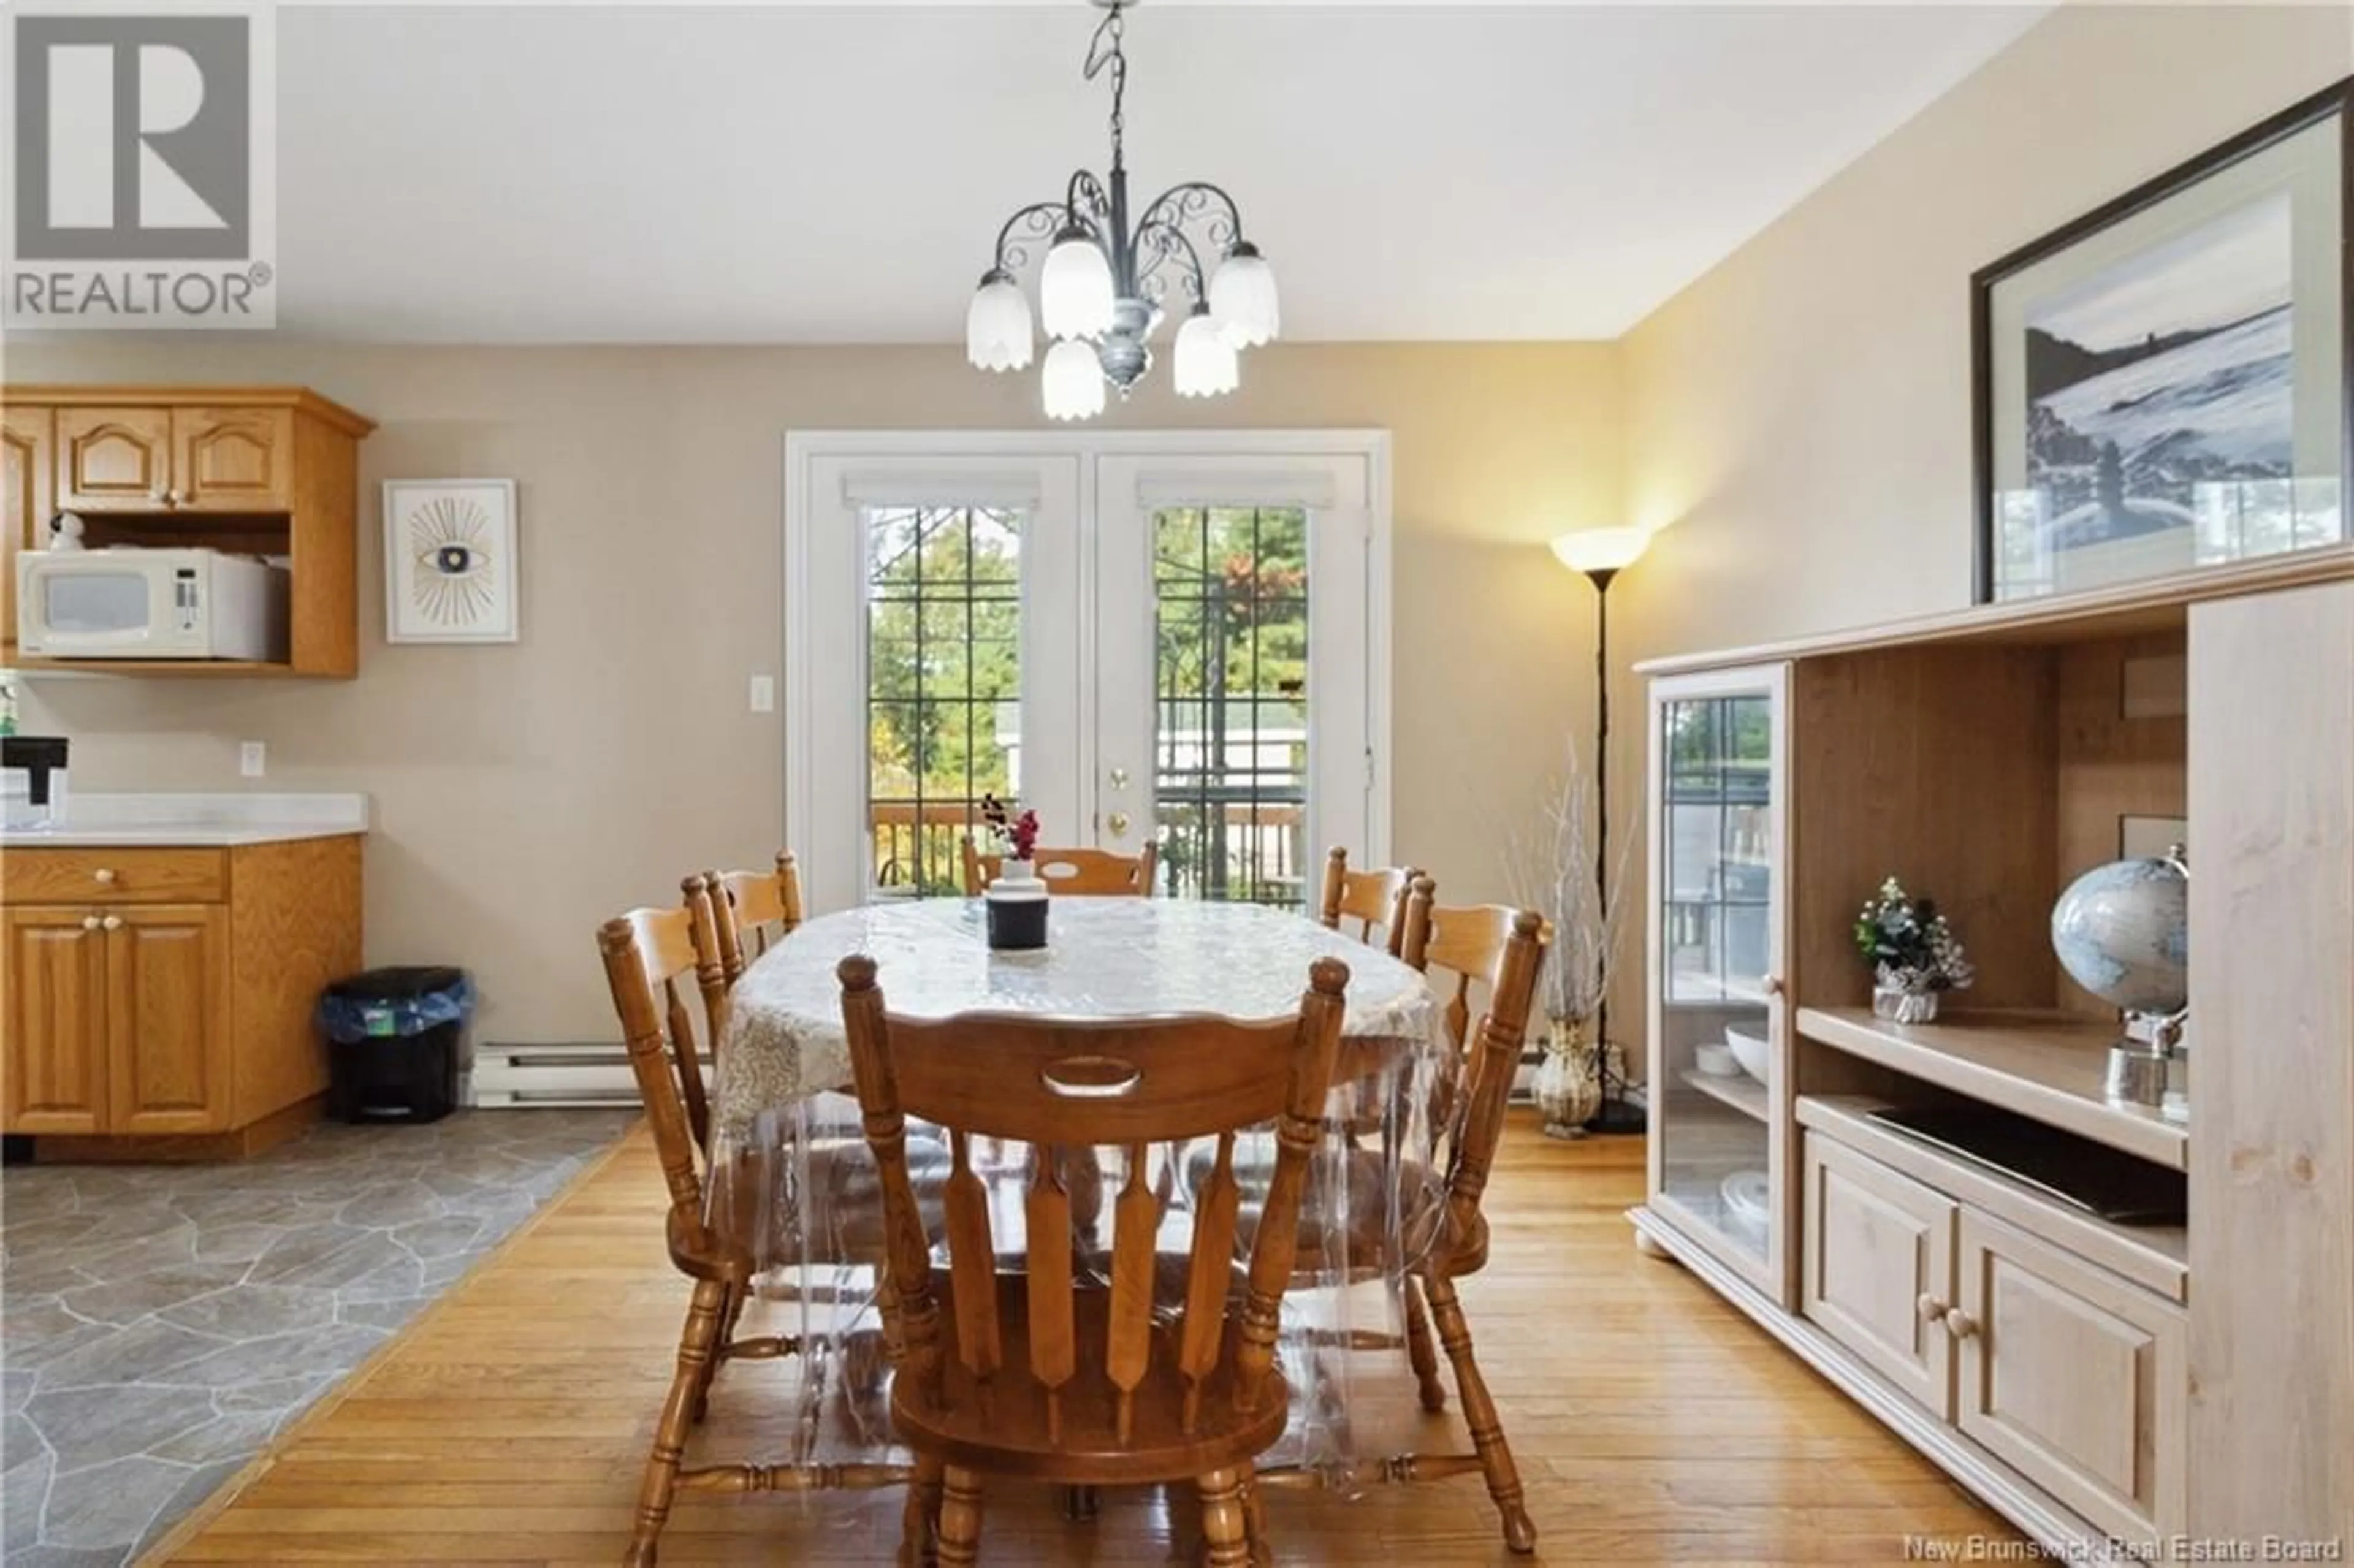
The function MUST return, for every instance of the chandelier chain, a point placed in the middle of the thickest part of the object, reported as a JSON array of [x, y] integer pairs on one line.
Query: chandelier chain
[[1104, 50]]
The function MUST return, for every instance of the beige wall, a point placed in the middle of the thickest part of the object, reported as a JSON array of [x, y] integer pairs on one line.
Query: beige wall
[[1798, 419], [525, 793]]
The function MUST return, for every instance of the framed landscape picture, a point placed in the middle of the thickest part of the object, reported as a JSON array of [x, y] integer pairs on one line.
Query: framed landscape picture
[[2162, 385]]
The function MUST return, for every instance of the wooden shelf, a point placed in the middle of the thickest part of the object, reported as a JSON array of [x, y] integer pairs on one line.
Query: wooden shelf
[[1743, 1093], [2047, 1067], [151, 667]]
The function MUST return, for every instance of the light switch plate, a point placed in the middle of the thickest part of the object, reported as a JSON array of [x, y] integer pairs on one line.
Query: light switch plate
[[252, 758], [764, 694]]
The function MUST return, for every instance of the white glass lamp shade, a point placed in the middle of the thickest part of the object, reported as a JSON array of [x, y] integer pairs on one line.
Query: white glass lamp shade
[[1074, 381], [997, 334], [1075, 288], [1600, 549], [1242, 297], [1206, 363]]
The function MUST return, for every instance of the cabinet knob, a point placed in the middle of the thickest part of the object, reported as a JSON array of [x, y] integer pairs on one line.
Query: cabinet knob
[[104, 873], [1771, 985], [112, 922], [1960, 1324], [89, 922], [1931, 1309]]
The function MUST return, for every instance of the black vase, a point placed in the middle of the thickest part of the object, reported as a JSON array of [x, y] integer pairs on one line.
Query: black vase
[[1017, 921]]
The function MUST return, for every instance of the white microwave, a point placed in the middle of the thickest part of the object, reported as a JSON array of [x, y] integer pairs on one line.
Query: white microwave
[[125, 603]]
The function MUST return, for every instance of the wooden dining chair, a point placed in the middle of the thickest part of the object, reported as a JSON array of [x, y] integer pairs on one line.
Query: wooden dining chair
[[754, 911], [1493, 949], [1031, 1371], [650, 957], [1080, 873], [1374, 899]]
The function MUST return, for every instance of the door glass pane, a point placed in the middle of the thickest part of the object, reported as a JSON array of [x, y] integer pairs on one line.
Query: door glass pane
[[1716, 914], [943, 685], [1230, 779]]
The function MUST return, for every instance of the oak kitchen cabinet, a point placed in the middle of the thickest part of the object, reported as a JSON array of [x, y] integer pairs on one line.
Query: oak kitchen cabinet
[[267, 470], [157, 990]]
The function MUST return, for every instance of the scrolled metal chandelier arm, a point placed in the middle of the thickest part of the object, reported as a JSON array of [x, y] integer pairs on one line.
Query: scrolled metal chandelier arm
[[1158, 241], [1180, 204], [1039, 220], [1089, 205]]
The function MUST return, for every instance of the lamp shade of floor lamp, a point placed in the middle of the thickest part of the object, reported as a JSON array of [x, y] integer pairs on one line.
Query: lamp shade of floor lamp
[[1601, 553]]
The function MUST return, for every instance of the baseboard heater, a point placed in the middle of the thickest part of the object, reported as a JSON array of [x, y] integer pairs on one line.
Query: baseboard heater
[[581, 1073]]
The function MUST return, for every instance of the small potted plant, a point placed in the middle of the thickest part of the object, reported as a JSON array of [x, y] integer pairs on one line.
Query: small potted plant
[[1016, 897], [1913, 952]]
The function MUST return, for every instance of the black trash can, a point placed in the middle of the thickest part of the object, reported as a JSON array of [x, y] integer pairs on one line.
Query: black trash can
[[394, 1041]]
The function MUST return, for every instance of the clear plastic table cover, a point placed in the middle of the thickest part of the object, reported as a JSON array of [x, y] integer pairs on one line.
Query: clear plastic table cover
[[791, 1172]]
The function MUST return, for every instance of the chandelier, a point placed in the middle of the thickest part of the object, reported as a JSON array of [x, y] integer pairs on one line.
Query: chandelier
[[1104, 283]]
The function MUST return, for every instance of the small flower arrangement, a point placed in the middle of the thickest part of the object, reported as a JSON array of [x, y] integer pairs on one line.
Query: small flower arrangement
[[1913, 950], [1016, 837]]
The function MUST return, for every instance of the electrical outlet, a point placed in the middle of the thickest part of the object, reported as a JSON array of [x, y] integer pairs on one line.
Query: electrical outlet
[[764, 694], [252, 758]]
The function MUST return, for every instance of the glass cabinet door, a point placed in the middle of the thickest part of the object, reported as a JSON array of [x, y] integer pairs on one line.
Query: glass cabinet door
[[1716, 1026]]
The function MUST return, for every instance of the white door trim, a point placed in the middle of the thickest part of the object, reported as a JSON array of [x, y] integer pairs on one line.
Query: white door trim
[[806, 450]]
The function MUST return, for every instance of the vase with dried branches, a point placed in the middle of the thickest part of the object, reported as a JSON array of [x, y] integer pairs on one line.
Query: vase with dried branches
[[1555, 867]]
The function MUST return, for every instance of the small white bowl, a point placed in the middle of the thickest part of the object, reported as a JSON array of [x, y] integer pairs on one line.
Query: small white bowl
[[1750, 1051], [1716, 1061]]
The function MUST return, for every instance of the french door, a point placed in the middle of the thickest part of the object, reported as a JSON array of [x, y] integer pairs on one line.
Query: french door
[[1147, 639]]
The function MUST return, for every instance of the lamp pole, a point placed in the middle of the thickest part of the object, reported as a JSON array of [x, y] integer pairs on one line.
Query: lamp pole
[[1616, 1116]]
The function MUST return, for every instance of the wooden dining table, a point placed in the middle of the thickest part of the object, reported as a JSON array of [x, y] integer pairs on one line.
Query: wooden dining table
[[781, 1113]]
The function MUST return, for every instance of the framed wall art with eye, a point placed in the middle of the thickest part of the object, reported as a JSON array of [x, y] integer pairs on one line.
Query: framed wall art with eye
[[450, 560]]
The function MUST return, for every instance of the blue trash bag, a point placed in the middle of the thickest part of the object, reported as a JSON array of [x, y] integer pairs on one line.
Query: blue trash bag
[[395, 1004]]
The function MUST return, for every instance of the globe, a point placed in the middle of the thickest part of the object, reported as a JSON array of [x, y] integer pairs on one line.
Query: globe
[[2122, 931]]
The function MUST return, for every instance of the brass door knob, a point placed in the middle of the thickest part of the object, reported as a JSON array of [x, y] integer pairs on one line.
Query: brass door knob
[[1118, 823]]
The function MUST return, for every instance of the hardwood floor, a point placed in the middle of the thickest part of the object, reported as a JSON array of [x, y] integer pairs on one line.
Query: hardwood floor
[[1652, 1423]]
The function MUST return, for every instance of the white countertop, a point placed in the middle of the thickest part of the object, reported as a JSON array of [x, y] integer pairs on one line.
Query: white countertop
[[95, 821]]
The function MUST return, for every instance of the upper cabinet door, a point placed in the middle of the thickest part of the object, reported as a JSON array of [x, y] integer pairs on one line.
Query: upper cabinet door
[[114, 460], [231, 459], [27, 477]]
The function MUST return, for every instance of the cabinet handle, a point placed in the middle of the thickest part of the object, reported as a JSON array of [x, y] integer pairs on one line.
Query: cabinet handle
[[1932, 1310], [89, 922], [104, 873], [112, 922], [1960, 1324], [1771, 985]]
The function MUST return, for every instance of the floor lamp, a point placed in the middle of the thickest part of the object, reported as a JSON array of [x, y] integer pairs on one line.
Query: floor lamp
[[1601, 554]]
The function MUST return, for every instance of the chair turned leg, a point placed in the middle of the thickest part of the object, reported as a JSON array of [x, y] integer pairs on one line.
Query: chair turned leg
[[1479, 1415], [959, 1517], [919, 1522], [1225, 1523], [731, 1308], [1420, 1350], [1261, 1545], [695, 1345]]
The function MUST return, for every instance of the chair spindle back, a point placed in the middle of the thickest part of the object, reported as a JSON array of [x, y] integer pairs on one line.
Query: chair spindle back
[[1063, 1087], [754, 910], [650, 956], [1372, 898]]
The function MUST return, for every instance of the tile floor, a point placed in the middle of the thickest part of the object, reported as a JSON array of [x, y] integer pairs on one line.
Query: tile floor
[[162, 1323]]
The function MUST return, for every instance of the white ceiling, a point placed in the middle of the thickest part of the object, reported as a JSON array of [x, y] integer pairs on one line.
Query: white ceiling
[[835, 174]]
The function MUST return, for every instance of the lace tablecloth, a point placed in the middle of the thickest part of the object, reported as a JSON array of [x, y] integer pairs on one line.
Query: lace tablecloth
[[1106, 958], [784, 1065]]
